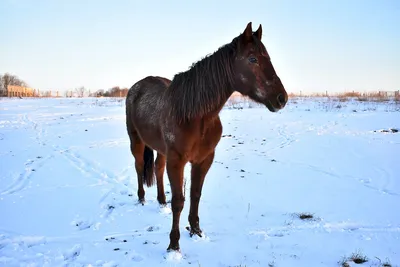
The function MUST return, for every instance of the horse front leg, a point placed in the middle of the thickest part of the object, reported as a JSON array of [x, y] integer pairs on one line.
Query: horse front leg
[[175, 168], [198, 174]]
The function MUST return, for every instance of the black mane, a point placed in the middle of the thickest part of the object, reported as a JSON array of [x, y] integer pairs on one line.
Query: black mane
[[203, 87]]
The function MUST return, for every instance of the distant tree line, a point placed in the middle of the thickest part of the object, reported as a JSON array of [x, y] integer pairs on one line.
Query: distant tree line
[[9, 79], [116, 91]]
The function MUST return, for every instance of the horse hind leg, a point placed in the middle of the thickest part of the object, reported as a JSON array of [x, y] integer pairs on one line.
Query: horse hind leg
[[160, 167], [144, 160], [137, 149]]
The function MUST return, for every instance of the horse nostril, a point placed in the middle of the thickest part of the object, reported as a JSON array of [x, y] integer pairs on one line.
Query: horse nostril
[[281, 99]]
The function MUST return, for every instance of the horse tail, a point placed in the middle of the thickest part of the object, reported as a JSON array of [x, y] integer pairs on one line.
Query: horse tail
[[148, 170]]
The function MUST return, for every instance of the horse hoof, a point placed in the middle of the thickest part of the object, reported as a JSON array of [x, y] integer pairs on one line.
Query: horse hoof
[[173, 248], [194, 231], [142, 201], [162, 203]]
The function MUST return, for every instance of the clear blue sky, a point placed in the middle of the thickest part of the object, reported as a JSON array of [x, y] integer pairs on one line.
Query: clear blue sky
[[316, 45]]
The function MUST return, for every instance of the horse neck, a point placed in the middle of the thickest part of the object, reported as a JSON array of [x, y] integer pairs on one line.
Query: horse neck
[[201, 92], [219, 103], [215, 96], [217, 87]]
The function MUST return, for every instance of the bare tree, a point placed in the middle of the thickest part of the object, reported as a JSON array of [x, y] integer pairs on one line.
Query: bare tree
[[8, 79], [80, 91], [99, 92], [116, 91]]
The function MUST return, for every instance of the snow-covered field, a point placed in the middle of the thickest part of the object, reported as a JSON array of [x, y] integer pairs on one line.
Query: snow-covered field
[[68, 188]]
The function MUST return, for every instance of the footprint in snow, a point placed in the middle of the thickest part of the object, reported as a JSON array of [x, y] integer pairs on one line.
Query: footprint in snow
[[390, 130], [101, 263], [152, 228], [73, 253], [115, 240], [108, 210], [133, 256], [84, 224]]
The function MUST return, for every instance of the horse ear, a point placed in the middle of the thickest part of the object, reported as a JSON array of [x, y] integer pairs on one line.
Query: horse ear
[[258, 33], [247, 34]]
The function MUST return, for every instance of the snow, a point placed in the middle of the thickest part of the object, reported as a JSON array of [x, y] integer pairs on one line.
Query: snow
[[68, 187]]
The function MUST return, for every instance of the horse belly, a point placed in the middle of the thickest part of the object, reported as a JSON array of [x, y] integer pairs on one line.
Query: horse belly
[[150, 134]]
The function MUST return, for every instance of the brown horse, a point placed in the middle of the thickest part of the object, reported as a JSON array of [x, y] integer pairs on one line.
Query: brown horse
[[180, 118]]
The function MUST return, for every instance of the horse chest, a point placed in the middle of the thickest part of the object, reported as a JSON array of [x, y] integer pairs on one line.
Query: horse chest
[[209, 138]]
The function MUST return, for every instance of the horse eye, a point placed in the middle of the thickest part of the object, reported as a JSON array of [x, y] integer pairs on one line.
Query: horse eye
[[253, 60]]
